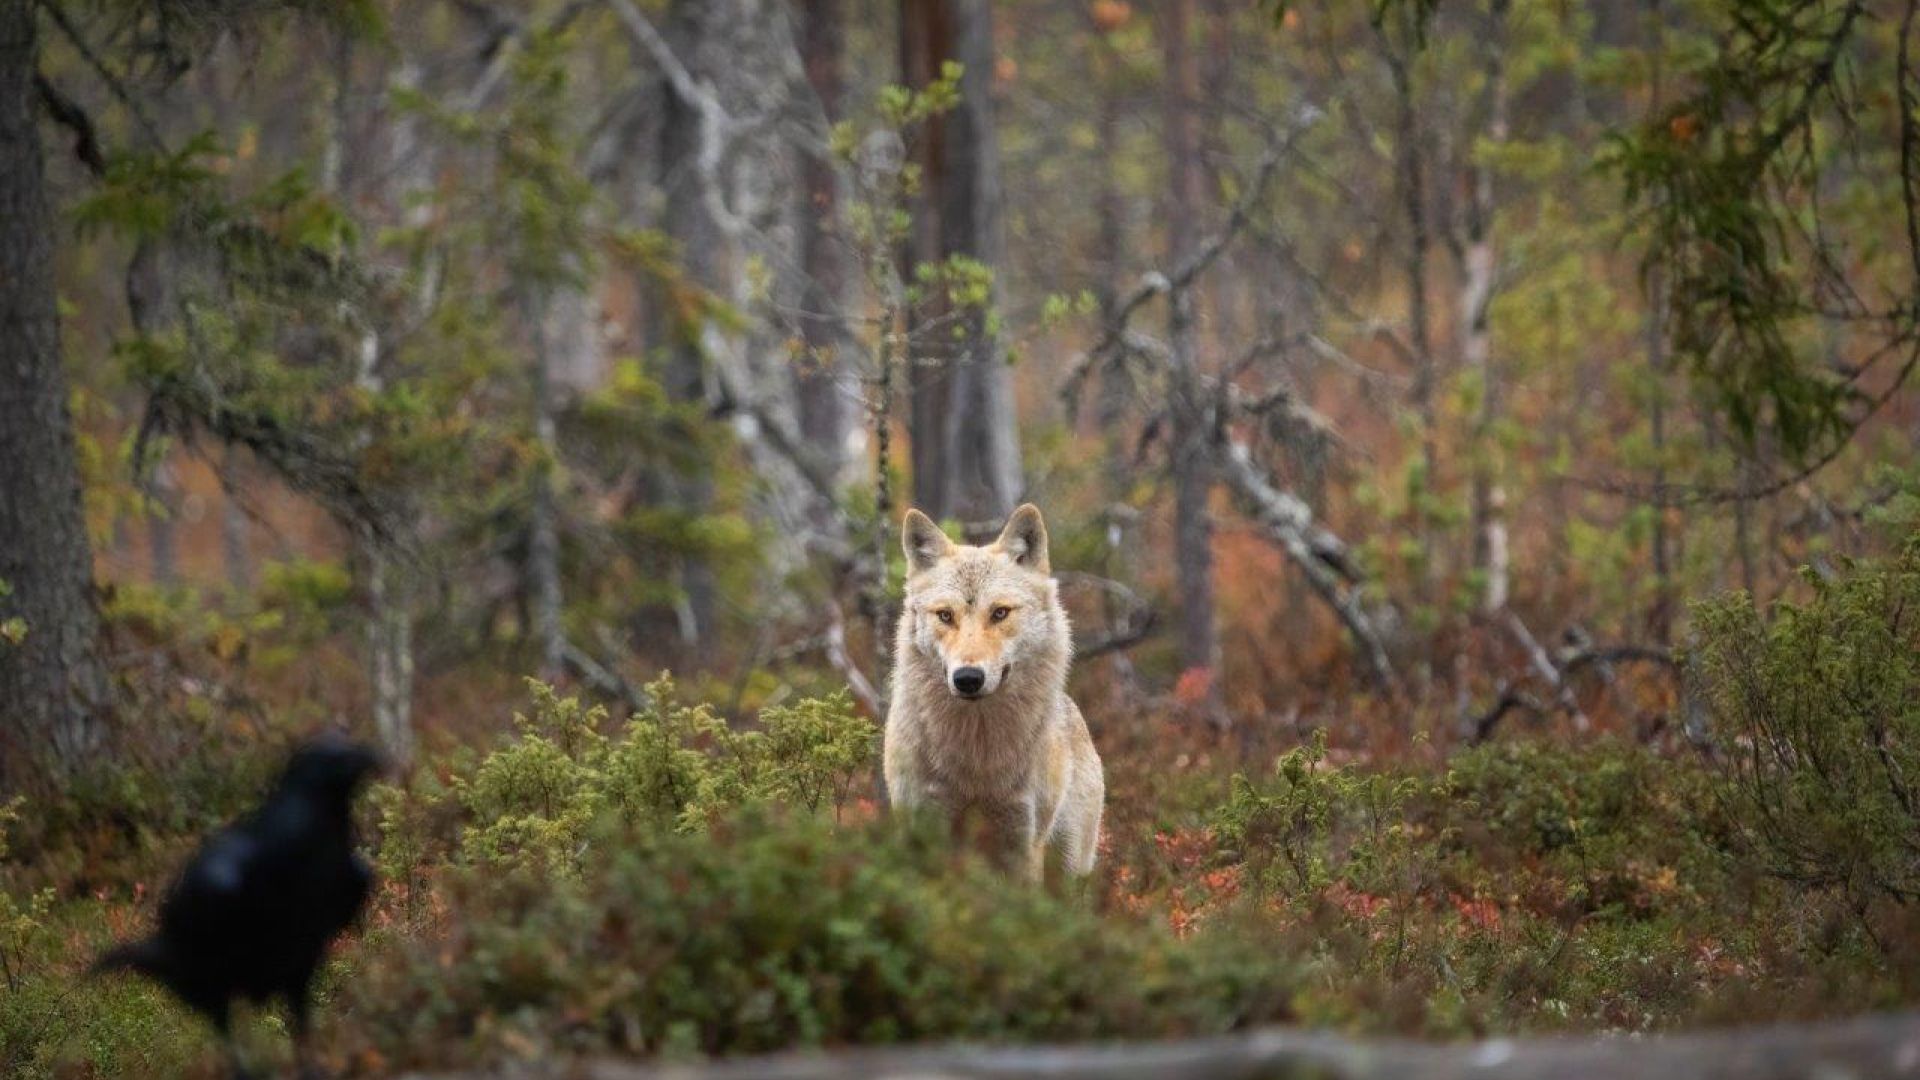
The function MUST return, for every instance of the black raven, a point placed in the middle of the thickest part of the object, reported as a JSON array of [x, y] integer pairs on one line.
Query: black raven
[[253, 912]]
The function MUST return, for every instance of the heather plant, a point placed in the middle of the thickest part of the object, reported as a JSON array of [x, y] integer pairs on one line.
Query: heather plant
[[672, 766], [771, 931], [1312, 822]]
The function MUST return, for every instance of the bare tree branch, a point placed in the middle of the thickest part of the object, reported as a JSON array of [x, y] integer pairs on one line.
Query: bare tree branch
[[68, 114], [1156, 283], [1136, 622], [1318, 553]]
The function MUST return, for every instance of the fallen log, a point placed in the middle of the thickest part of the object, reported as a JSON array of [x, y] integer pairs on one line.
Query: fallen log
[[1874, 1047]]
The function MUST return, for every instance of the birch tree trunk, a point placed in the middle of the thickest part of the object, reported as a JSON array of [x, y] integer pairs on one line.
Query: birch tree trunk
[[53, 687], [1487, 496], [384, 583]]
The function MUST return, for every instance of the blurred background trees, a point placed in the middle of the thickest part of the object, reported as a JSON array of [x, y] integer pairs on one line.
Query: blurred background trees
[[1407, 364]]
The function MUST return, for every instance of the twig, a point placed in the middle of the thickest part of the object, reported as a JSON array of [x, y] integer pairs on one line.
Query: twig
[[68, 114]]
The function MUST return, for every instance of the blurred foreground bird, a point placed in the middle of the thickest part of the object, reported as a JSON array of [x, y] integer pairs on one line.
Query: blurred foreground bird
[[252, 914]]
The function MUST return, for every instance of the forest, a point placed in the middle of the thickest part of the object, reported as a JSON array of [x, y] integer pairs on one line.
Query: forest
[[1477, 448]]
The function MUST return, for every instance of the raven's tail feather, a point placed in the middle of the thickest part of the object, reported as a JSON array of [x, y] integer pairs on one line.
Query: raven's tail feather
[[147, 956]]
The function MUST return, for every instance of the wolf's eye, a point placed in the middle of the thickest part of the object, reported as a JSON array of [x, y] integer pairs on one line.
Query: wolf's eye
[[944, 616], [1001, 612]]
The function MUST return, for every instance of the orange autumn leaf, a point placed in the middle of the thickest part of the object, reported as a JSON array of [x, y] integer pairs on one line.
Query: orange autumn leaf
[[1194, 685], [1111, 15]]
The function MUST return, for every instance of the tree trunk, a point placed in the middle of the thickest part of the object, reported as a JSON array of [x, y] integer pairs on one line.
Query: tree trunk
[[1660, 622], [824, 402], [966, 449], [543, 527], [689, 220], [53, 687], [233, 524], [1413, 187], [389, 653], [1116, 389], [1189, 410], [1488, 498], [384, 579], [163, 529], [164, 275]]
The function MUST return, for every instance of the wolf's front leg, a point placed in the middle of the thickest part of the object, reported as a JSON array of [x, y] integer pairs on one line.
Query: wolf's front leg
[[1011, 837]]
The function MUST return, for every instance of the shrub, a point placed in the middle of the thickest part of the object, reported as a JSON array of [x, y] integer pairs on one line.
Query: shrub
[[1312, 821], [773, 930], [1818, 713], [683, 886]]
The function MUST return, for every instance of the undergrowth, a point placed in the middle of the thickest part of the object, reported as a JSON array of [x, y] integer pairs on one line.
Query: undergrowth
[[679, 883]]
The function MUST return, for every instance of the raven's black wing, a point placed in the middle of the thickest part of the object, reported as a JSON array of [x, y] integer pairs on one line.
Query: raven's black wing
[[218, 893]]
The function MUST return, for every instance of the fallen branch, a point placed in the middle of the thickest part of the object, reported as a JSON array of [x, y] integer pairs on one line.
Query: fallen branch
[[601, 677], [1317, 552], [1480, 728], [1544, 666], [1133, 626], [835, 640], [1877, 1047], [1558, 674]]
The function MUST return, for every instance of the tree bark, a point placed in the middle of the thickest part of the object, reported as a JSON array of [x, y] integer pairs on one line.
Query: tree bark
[[384, 579], [1660, 622], [235, 555], [53, 686], [689, 220], [1190, 413], [1116, 389], [1488, 499], [965, 439], [543, 537], [826, 416], [163, 529], [1413, 195]]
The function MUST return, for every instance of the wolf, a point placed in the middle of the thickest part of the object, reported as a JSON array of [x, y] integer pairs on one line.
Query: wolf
[[979, 723]]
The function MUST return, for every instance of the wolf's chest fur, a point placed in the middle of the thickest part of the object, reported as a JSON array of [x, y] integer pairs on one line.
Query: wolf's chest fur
[[976, 748]]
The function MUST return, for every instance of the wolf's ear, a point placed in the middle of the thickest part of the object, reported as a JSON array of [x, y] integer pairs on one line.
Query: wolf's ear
[[922, 540], [1025, 539]]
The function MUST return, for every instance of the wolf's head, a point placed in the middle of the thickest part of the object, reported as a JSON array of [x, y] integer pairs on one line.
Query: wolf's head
[[984, 615]]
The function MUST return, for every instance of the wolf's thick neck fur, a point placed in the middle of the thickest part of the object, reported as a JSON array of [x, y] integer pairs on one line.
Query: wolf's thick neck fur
[[980, 746]]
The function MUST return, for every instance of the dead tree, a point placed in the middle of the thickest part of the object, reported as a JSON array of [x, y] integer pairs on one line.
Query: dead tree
[[1285, 519]]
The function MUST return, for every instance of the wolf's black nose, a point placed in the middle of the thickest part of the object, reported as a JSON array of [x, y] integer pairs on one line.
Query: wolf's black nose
[[969, 680]]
